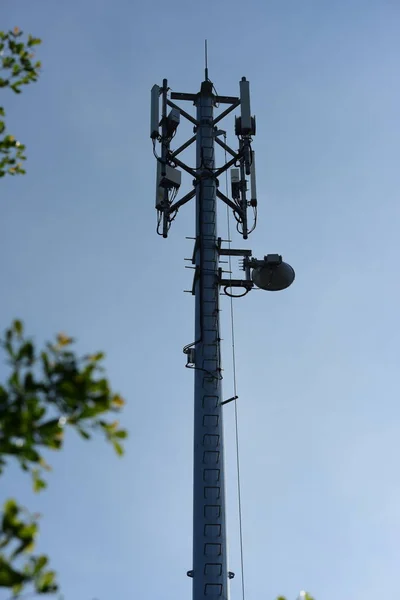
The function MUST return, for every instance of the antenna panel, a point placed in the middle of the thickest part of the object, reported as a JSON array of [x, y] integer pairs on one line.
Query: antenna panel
[[159, 190], [171, 180], [235, 176], [173, 121], [253, 187], [155, 112], [235, 183], [246, 123]]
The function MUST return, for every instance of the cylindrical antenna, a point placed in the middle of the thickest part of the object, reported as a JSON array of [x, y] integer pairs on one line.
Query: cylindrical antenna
[[206, 59]]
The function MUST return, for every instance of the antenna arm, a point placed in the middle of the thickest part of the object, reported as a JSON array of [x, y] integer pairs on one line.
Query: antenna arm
[[182, 165], [228, 165], [183, 113], [229, 202], [182, 201], [183, 147], [226, 147], [236, 103]]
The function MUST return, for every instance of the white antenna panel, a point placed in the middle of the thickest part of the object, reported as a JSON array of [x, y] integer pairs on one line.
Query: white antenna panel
[[155, 112]]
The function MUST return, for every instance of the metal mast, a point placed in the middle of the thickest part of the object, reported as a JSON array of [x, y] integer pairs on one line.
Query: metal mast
[[209, 570], [209, 526]]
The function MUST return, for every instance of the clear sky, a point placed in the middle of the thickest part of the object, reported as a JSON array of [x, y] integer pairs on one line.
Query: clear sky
[[319, 410]]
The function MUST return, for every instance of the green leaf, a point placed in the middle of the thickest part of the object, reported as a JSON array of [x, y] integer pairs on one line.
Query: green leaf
[[118, 401], [30, 454], [33, 41], [92, 411], [8, 347], [10, 512], [26, 545], [46, 363], [27, 531], [14, 380], [46, 583], [18, 327], [118, 448], [17, 589], [40, 563], [26, 351], [50, 428], [8, 576], [95, 357], [121, 434], [15, 88], [29, 382], [38, 483]]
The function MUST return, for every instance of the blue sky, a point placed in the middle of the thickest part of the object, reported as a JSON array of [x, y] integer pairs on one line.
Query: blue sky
[[317, 365]]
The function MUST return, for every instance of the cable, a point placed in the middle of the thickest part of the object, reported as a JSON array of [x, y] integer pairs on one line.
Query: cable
[[235, 295], [235, 394], [200, 272], [159, 219], [154, 150], [216, 93], [218, 377]]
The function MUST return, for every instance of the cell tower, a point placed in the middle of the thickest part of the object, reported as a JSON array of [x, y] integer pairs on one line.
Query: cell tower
[[209, 570]]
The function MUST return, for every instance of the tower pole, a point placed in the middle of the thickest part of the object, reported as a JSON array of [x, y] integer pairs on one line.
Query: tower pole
[[209, 570], [210, 574]]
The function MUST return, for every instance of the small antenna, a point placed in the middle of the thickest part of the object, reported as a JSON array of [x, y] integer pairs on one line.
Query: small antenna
[[206, 59]]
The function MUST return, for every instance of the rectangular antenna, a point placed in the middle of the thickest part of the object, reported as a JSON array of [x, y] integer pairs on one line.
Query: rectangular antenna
[[171, 180], [159, 190], [246, 124], [155, 112], [235, 176], [253, 188], [235, 183]]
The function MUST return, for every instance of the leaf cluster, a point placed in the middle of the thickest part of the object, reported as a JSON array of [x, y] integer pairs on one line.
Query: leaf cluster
[[17, 535], [17, 68], [45, 393], [17, 62]]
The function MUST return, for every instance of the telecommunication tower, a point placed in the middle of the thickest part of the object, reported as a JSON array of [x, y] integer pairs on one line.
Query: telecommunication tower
[[209, 571]]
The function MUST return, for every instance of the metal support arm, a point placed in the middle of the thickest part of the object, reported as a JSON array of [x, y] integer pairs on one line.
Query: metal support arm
[[182, 201], [183, 147], [242, 283], [227, 166], [227, 148], [183, 112], [183, 166], [227, 111], [231, 204]]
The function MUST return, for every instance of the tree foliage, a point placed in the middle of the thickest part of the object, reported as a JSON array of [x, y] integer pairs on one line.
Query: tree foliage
[[17, 68], [17, 536], [46, 392]]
